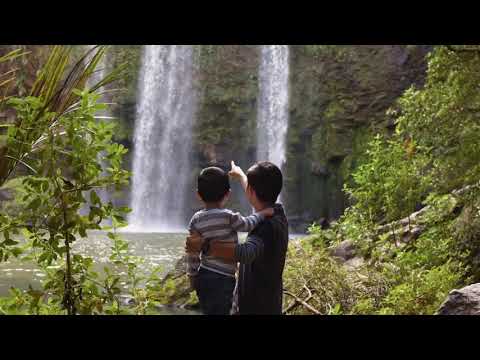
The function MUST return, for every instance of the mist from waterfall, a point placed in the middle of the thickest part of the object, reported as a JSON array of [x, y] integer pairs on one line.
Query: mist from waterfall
[[272, 118], [162, 139]]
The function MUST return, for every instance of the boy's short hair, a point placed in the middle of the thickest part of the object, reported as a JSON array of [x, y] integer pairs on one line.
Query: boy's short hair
[[213, 184], [266, 180]]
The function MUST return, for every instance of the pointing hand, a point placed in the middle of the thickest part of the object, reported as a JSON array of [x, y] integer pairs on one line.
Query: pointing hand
[[236, 172]]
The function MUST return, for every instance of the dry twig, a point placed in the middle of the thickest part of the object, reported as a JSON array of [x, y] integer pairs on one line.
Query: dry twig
[[309, 307]]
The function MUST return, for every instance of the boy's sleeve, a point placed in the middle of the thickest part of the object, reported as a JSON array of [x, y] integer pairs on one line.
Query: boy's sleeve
[[192, 259], [245, 223]]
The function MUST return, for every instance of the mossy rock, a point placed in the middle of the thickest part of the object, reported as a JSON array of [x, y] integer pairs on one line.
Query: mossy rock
[[177, 290]]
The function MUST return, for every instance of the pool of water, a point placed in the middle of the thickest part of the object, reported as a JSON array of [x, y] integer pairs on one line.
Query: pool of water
[[162, 249], [156, 248]]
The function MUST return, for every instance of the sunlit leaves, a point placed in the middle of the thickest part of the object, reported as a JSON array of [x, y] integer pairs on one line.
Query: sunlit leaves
[[443, 117], [67, 167]]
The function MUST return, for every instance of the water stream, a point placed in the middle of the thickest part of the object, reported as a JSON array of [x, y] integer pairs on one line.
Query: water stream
[[162, 139], [272, 119]]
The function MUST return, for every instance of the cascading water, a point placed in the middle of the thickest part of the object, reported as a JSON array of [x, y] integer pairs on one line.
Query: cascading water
[[272, 119], [162, 140]]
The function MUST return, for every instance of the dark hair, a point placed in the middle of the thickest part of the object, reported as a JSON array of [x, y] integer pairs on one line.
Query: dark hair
[[212, 184], [266, 180]]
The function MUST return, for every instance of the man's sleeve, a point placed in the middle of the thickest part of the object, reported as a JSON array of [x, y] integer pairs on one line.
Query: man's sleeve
[[245, 223], [253, 247]]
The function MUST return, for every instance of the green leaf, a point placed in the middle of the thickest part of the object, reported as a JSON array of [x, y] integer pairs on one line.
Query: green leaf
[[10, 242], [94, 198], [82, 232]]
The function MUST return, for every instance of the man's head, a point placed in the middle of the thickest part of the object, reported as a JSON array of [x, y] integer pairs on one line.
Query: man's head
[[213, 185], [264, 183]]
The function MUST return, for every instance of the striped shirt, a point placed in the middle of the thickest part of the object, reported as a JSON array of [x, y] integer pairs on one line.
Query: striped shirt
[[220, 225]]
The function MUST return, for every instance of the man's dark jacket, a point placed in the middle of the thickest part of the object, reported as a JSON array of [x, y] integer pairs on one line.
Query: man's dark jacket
[[260, 277]]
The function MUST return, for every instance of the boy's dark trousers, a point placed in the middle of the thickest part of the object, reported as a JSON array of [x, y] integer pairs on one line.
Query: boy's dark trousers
[[215, 292]]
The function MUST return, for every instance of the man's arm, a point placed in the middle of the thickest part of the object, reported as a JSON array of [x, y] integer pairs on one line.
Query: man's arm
[[248, 223], [244, 253], [237, 173]]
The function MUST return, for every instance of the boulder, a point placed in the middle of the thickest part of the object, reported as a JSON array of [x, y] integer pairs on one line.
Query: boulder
[[465, 301], [180, 296], [354, 263], [346, 250]]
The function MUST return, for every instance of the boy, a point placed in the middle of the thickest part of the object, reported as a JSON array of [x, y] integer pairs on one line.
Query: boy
[[214, 278]]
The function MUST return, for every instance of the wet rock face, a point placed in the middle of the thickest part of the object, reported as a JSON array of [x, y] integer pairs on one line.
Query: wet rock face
[[336, 95], [465, 301], [318, 169]]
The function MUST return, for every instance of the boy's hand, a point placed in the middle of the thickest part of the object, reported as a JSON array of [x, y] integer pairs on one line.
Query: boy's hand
[[236, 172], [268, 212]]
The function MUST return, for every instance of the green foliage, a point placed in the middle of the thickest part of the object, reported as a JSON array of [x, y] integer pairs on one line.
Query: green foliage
[[391, 181], [55, 93], [421, 292], [322, 237], [64, 149], [64, 168], [7, 78], [333, 289], [466, 231], [433, 151], [442, 117], [412, 279]]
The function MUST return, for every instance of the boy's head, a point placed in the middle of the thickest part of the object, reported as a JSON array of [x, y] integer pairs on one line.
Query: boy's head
[[213, 185], [264, 182]]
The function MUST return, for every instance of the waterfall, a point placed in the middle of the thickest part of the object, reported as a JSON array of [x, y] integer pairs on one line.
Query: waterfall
[[162, 139], [272, 119]]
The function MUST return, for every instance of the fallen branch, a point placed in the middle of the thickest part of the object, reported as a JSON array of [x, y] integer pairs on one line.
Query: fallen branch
[[294, 305], [412, 217], [403, 222], [309, 307], [308, 290]]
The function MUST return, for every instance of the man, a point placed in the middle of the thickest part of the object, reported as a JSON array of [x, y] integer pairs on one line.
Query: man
[[262, 257]]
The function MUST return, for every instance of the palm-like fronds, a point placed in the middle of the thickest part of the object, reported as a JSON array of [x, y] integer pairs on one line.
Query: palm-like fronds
[[8, 77], [55, 87]]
